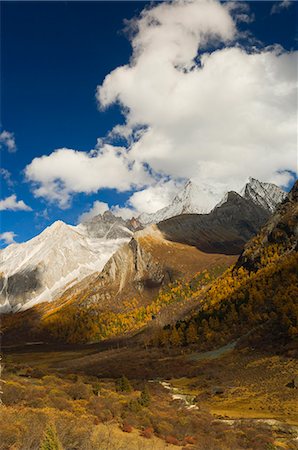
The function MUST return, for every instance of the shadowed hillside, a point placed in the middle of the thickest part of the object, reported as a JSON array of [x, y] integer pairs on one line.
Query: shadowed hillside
[[225, 230], [257, 297]]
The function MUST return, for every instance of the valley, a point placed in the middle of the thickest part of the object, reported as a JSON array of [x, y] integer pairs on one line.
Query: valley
[[239, 394]]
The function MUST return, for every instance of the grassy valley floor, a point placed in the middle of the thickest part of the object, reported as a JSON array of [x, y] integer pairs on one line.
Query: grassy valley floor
[[238, 398]]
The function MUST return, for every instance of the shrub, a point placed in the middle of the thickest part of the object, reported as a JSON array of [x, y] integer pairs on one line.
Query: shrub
[[50, 439], [144, 399], [189, 440], [60, 403], [79, 391], [127, 428], [96, 389], [13, 393], [147, 433], [171, 440], [123, 385], [134, 406]]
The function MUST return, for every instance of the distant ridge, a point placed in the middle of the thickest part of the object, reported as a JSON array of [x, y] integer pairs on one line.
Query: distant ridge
[[201, 199]]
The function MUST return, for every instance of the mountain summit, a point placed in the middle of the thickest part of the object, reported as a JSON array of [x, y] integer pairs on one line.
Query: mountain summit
[[266, 195], [201, 199], [191, 199], [35, 271]]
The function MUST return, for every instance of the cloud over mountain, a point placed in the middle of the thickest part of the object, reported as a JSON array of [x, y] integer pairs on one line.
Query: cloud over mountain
[[65, 172], [7, 237], [196, 105], [212, 115]]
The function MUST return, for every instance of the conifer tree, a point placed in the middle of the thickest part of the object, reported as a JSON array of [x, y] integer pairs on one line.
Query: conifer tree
[[175, 338], [144, 399], [50, 439], [191, 334], [123, 385]]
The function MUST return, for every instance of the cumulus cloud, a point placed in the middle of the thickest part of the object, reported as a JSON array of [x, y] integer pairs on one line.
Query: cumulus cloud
[[65, 172], [97, 208], [11, 203], [146, 200], [196, 105], [154, 197], [8, 237], [7, 141], [280, 6], [214, 116]]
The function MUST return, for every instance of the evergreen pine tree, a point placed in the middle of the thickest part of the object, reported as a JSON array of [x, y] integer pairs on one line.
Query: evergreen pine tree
[[123, 385], [50, 439], [144, 399]]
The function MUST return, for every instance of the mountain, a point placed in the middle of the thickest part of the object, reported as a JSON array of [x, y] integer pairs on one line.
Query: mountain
[[37, 270], [108, 226], [266, 195], [191, 199], [254, 303], [137, 280], [225, 230], [201, 199], [280, 230], [62, 255]]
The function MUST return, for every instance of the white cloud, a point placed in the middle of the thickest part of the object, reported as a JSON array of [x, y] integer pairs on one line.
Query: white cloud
[[65, 172], [11, 203], [7, 140], [123, 211], [213, 116], [280, 5], [8, 237], [97, 208], [6, 175], [231, 115], [154, 197], [147, 200]]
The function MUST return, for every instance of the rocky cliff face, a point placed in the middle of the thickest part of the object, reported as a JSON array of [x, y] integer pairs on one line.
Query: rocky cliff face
[[108, 226], [266, 195], [138, 269]]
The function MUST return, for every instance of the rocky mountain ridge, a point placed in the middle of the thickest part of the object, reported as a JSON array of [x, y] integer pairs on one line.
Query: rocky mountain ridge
[[201, 199]]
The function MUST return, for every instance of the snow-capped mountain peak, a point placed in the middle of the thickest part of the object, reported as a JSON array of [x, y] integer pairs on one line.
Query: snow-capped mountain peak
[[191, 199], [37, 270], [266, 195], [201, 199]]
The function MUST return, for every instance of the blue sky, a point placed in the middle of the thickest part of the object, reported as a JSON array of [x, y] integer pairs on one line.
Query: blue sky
[[54, 55]]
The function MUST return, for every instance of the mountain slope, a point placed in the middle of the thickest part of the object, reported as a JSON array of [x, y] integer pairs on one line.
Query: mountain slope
[[256, 298], [39, 269], [226, 229]]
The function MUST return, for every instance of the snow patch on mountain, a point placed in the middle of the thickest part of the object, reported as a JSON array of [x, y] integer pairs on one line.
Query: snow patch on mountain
[[191, 199], [37, 270], [202, 199]]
